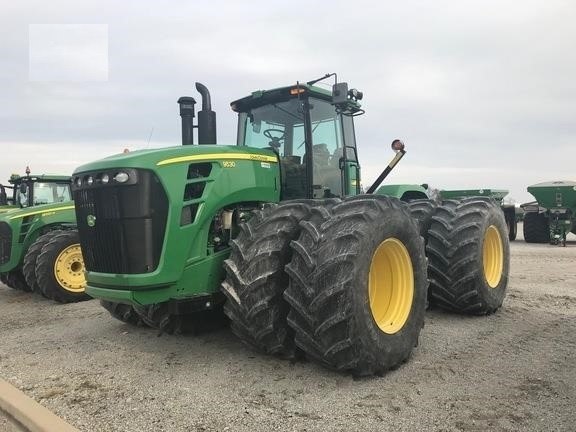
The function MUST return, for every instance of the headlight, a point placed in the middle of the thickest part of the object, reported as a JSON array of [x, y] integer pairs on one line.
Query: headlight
[[78, 181], [121, 177], [90, 180], [105, 178]]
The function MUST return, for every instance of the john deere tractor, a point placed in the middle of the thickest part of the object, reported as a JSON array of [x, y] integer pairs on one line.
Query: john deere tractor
[[275, 230], [553, 215], [39, 246]]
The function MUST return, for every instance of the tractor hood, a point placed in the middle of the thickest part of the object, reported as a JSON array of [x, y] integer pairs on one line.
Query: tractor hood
[[156, 158]]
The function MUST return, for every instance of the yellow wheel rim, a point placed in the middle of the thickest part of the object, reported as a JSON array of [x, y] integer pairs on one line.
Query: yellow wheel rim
[[493, 256], [69, 269], [391, 285]]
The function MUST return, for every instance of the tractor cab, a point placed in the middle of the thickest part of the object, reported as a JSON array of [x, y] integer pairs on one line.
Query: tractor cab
[[311, 130], [32, 190]]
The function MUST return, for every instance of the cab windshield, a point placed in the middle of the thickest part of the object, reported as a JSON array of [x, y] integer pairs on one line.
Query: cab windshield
[[43, 193], [281, 128]]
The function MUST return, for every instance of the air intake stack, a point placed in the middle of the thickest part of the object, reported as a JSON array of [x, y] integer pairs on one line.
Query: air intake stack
[[187, 113]]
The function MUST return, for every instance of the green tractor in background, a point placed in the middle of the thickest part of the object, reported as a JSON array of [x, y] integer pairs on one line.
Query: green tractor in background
[[39, 245], [553, 215], [274, 230]]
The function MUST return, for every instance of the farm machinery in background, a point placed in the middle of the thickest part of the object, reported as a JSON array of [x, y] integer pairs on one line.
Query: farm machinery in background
[[274, 230], [39, 246], [553, 215]]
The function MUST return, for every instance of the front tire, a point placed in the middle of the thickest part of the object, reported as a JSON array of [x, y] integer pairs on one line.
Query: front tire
[[469, 256], [60, 269], [256, 280], [358, 285]]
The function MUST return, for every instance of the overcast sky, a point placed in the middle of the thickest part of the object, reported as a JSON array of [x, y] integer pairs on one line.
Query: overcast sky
[[483, 93]]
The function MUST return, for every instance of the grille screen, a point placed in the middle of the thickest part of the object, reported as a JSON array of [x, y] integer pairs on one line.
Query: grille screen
[[122, 226]]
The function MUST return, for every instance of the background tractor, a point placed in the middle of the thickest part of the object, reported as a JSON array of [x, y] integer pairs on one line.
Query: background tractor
[[39, 245], [553, 215], [275, 230]]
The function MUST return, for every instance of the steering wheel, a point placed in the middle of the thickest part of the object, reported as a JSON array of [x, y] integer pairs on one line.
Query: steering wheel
[[274, 140]]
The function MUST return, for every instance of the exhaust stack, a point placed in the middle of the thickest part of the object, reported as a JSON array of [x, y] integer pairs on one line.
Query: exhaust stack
[[206, 118]]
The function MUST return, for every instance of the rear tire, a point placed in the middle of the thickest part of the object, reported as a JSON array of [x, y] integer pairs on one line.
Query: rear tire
[[256, 280], [60, 269], [347, 312], [469, 256], [123, 312], [536, 228], [422, 210], [29, 266]]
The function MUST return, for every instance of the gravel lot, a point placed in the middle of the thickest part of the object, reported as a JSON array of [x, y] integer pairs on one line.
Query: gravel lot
[[512, 371]]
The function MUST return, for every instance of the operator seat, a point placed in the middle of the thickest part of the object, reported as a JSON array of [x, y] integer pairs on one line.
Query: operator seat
[[293, 177], [327, 175]]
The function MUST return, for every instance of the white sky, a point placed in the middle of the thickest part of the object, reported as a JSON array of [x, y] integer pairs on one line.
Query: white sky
[[483, 93]]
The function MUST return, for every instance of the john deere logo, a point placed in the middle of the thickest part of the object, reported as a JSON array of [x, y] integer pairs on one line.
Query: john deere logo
[[91, 220]]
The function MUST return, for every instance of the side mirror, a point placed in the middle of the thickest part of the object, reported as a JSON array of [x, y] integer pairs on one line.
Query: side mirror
[[339, 93], [22, 196]]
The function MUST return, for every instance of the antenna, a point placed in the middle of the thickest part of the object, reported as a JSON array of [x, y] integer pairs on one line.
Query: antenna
[[150, 137]]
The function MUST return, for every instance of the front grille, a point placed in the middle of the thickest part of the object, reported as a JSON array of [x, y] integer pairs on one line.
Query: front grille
[[5, 242], [122, 226]]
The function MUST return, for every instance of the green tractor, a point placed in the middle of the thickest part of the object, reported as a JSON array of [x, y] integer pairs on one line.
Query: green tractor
[[39, 245], [274, 230], [553, 215]]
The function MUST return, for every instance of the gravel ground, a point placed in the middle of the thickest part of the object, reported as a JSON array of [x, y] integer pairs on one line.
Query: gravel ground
[[512, 371], [8, 425]]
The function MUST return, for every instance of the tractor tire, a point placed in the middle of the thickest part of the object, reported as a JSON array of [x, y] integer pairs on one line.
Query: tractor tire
[[160, 317], [512, 229], [60, 269], [536, 228], [256, 280], [358, 285], [29, 265], [15, 280], [123, 312], [422, 210], [468, 256], [4, 279]]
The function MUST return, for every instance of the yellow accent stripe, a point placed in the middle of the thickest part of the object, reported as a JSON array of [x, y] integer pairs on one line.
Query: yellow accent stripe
[[228, 156], [43, 212]]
